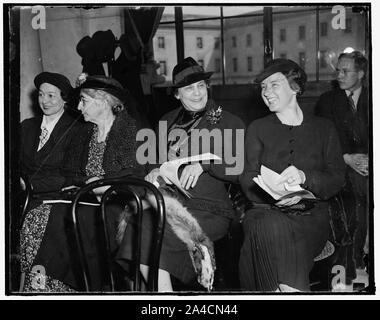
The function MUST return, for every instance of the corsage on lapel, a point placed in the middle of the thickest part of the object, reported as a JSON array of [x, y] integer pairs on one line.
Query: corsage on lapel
[[81, 79], [213, 116]]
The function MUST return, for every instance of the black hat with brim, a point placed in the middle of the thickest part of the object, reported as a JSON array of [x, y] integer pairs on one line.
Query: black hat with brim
[[56, 79], [279, 65], [106, 84], [187, 72]]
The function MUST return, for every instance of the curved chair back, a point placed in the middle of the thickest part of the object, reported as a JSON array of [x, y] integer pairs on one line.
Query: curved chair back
[[27, 196], [122, 185]]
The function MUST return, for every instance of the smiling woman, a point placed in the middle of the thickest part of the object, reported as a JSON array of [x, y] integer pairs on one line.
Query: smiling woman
[[280, 238], [50, 131], [209, 204]]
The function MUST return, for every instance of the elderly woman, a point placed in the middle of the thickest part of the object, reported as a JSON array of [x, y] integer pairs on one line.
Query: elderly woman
[[45, 138], [208, 203], [104, 147], [281, 239]]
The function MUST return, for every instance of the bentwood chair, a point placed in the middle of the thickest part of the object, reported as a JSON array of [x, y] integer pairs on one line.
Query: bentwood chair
[[122, 186]]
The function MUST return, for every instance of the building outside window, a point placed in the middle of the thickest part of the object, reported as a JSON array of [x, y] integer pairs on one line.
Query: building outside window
[[323, 28], [235, 64], [301, 32], [302, 59], [199, 42], [163, 69], [249, 40], [161, 42], [348, 25], [299, 21], [216, 43], [217, 65], [249, 64]]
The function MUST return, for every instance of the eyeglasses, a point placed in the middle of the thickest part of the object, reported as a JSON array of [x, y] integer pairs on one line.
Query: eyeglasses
[[344, 71]]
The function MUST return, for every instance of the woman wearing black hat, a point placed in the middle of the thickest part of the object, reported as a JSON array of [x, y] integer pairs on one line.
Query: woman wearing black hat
[[209, 203], [45, 138], [281, 239], [103, 147]]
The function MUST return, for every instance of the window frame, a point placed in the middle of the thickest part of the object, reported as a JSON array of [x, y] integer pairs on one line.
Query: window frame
[[179, 20]]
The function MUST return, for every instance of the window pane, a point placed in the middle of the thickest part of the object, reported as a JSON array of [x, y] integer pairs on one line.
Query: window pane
[[238, 69], [350, 36], [294, 36], [200, 41], [239, 10], [168, 53], [196, 12]]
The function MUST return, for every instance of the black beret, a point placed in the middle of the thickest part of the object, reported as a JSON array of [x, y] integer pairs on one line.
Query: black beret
[[56, 79]]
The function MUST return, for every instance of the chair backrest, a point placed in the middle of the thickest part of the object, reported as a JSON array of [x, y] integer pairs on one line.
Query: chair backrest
[[27, 194], [122, 185]]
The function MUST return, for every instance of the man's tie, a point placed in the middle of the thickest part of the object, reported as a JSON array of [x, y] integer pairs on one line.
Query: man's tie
[[43, 137], [351, 101]]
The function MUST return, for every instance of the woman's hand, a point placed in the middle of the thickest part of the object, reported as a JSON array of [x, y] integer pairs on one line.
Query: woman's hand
[[190, 175], [292, 176], [358, 162], [288, 201]]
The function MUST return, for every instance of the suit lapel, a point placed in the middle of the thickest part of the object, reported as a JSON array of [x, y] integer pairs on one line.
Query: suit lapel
[[59, 130]]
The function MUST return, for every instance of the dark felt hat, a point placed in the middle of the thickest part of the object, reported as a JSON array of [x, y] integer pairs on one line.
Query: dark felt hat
[[187, 72], [106, 84], [280, 65], [100, 47], [56, 79]]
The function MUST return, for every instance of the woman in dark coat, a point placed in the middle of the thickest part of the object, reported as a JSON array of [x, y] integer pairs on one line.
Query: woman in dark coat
[[45, 138], [104, 147], [209, 203], [281, 241]]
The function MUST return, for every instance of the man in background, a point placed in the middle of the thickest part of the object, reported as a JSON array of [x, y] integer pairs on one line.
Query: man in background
[[347, 106]]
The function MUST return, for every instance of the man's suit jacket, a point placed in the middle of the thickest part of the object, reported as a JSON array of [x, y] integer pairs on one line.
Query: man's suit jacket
[[43, 167], [353, 128]]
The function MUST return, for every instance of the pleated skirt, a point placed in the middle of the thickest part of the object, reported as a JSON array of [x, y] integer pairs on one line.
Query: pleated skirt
[[279, 248]]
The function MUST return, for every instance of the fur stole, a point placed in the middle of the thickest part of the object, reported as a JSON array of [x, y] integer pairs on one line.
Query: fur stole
[[186, 228]]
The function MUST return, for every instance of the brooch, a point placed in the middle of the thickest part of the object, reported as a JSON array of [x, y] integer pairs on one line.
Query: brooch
[[213, 116]]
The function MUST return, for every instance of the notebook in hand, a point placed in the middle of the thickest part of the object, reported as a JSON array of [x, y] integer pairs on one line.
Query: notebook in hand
[[268, 181]]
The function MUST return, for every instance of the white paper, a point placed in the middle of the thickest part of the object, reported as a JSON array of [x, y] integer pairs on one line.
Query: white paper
[[169, 169], [268, 181]]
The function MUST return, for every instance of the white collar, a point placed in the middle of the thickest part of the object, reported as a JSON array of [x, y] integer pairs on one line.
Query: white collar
[[50, 125]]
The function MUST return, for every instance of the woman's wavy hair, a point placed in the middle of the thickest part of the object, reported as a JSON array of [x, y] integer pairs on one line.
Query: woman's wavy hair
[[116, 105], [297, 80]]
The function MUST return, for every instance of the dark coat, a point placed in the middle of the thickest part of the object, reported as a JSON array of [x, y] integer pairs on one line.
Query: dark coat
[[353, 129], [57, 252], [119, 156], [42, 167], [210, 192], [312, 147]]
